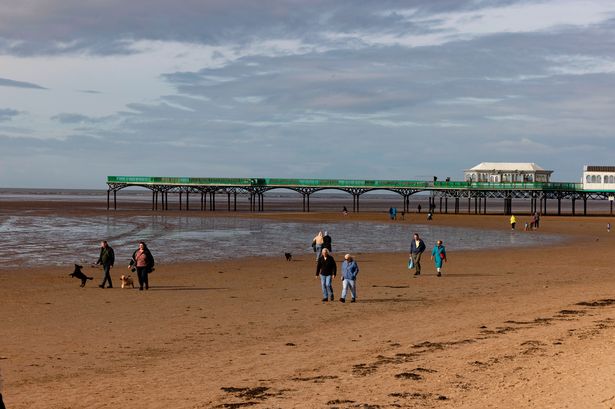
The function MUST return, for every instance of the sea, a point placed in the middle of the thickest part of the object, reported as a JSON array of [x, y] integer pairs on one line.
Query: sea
[[35, 238]]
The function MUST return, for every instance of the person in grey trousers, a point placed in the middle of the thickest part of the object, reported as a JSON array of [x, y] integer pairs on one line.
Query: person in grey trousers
[[417, 247], [107, 259], [350, 270]]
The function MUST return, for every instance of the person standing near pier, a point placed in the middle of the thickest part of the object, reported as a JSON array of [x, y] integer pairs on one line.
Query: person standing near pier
[[417, 247], [106, 259], [327, 270], [513, 222]]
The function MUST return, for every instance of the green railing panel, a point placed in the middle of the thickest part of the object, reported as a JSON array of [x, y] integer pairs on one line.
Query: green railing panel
[[346, 183]]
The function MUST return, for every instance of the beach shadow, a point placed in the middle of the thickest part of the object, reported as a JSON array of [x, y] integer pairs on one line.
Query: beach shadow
[[389, 300], [184, 288], [468, 275]]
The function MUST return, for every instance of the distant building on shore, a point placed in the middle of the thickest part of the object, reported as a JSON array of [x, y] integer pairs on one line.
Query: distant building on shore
[[496, 172], [598, 177]]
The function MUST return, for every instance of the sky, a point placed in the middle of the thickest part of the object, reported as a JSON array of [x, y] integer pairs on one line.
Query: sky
[[349, 89]]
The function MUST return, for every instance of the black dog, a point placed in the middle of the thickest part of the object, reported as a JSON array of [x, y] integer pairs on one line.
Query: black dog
[[289, 257], [79, 274]]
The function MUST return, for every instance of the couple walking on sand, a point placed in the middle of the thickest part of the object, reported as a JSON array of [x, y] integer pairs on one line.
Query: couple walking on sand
[[320, 242], [417, 247], [142, 262], [326, 269]]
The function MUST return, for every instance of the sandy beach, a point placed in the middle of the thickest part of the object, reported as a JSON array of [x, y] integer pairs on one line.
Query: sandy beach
[[507, 328]]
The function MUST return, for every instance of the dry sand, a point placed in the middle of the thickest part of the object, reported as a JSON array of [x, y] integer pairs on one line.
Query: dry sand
[[504, 328]]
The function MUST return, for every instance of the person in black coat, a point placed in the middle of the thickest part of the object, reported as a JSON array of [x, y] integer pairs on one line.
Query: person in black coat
[[327, 270], [106, 259], [143, 261], [326, 242]]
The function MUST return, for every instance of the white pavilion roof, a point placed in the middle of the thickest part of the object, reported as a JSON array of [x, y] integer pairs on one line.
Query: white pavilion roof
[[507, 166]]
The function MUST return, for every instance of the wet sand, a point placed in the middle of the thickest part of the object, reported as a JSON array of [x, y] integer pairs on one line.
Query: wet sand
[[503, 328]]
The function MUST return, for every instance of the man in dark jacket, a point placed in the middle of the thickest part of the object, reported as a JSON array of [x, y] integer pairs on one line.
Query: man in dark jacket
[[107, 259], [326, 269], [326, 242], [417, 247]]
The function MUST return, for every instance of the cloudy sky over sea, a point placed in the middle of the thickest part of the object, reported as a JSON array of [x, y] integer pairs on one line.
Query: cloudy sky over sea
[[337, 89]]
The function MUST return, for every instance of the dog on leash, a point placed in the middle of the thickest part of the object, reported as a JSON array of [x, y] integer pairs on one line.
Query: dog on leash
[[79, 274], [289, 256], [126, 281]]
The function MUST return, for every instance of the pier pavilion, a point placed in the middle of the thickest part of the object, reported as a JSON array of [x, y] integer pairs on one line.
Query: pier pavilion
[[444, 197]]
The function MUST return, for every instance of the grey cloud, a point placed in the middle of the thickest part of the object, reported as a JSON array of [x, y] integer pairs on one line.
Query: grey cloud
[[67, 26], [5, 82], [67, 118], [7, 113]]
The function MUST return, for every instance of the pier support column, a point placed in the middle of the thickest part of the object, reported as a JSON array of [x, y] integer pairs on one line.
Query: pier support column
[[108, 198], [115, 200], [212, 201]]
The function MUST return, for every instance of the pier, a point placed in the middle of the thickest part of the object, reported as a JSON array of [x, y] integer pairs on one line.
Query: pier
[[444, 197]]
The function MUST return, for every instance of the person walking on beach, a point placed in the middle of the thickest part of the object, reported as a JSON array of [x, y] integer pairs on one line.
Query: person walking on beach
[[350, 269], [513, 222], [326, 242], [327, 270], [106, 259], [143, 261], [417, 247], [537, 220], [438, 255], [317, 244]]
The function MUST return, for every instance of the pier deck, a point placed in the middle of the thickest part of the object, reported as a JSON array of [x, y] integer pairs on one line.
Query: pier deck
[[439, 191]]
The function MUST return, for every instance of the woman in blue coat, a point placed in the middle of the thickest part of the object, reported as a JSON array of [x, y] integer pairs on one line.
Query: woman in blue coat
[[438, 254]]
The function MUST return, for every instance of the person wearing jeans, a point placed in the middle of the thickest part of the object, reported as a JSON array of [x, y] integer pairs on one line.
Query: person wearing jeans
[[350, 269], [317, 244], [326, 269]]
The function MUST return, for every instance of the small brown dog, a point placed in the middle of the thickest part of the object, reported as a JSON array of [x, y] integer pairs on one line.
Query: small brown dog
[[126, 281]]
